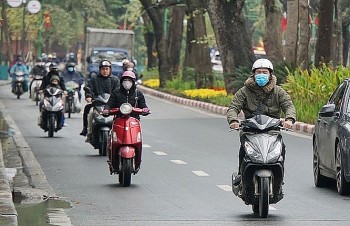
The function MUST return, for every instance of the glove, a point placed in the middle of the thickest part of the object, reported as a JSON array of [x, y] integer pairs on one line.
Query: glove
[[145, 111], [105, 113]]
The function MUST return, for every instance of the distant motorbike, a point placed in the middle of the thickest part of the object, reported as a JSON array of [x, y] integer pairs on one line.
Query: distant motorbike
[[100, 125], [125, 143], [19, 82], [262, 168], [35, 88], [73, 104], [52, 111]]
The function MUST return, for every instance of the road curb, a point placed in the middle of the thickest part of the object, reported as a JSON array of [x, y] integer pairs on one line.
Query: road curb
[[297, 126]]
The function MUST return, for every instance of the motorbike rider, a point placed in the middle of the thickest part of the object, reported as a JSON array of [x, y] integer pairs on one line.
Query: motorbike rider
[[19, 66], [70, 74], [260, 95], [128, 66], [53, 70], [54, 82], [38, 69], [128, 93], [98, 84]]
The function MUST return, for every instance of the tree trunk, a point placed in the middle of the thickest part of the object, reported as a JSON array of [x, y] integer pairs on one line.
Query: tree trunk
[[324, 39], [175, 38], [199, 43], [337, 53], [156, 15], [273, 32], [345, 12], [149, 40], [304, 38], [291, 35], [232, 37]]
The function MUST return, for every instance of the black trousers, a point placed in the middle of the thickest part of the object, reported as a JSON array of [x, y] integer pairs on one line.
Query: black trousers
[[86, 113]]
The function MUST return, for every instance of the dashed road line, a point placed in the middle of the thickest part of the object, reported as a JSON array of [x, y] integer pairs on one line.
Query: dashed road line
[[200, 173], [225, 187], [160, 153], [179, 162], [146, 146]]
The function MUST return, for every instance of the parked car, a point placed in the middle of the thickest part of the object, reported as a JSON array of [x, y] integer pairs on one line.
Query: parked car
[[331, 143]]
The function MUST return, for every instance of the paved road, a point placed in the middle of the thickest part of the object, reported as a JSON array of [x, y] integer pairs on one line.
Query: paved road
[[185, 176]]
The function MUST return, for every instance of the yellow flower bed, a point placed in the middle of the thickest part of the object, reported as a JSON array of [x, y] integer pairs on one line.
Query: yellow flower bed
[[204, 93], [152, 83]]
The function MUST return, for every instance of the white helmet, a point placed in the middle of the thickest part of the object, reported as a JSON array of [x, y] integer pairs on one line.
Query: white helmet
[[262, 63]]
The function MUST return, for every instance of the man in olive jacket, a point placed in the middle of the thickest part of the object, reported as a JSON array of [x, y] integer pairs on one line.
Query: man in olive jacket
[[261, 95]]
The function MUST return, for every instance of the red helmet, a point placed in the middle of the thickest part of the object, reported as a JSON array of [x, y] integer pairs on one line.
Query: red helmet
[[128, 74]]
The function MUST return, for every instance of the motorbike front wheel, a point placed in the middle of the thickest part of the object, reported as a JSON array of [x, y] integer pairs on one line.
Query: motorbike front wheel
[[52, 122], [102, 149], [125, 174], [264, 197]]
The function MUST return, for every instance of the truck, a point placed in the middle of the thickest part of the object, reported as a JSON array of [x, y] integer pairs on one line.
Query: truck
[[114, 45]]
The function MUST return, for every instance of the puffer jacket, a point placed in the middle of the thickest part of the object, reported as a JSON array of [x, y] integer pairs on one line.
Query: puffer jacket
[[99, 85], [120, 95], [250, 96]]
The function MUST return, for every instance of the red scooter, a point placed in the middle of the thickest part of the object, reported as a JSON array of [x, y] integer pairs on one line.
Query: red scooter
[[125, 142]]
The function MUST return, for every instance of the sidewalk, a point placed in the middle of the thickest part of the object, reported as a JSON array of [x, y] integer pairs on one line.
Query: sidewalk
[[8, 213]]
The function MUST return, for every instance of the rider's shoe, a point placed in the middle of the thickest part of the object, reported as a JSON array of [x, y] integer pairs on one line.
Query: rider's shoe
[[88, 138], [237, 180], [83, 132]]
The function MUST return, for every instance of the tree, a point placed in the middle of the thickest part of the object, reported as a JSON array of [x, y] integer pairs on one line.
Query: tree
[[197, 43], [175, 35], [232, 37], [273, 32], [325, 32], [291, 35]]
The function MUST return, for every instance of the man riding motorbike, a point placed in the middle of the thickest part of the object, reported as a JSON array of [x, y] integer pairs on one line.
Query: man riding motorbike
[[38, 69], [53, 70], [71, 75], [100, 84], [19, 66], [260, 95]]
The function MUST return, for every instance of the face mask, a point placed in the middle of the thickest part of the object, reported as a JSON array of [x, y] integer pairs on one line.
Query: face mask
[[261, 79], [129, 69], [70, 69], [127, 84]]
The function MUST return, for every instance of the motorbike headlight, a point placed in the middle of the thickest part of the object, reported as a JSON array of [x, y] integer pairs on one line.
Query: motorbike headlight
[[275, 153], [125, 108], [254, 155]]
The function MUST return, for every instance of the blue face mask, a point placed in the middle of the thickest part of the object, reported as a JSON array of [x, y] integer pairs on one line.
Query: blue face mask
[[70, 69], [261, 79]]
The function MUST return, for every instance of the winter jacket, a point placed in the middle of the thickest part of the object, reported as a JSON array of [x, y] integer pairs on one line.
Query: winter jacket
[[99, 85], [119, 96], [251, 96], [47, 78]]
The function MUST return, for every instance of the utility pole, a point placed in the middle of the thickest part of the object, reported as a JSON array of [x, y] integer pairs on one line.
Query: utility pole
[[23, 28]]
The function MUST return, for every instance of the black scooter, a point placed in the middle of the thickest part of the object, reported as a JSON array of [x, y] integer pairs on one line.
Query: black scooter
[[262, 168]]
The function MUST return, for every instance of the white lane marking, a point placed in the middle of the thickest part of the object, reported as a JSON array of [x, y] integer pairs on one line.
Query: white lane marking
[[200, 173], [272, 208], [145, 146], [225, 187], [160, 153], [178, 162]]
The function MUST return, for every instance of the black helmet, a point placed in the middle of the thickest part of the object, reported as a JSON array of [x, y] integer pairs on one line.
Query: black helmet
[[70, 64], [105, 63], [53, 67]]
